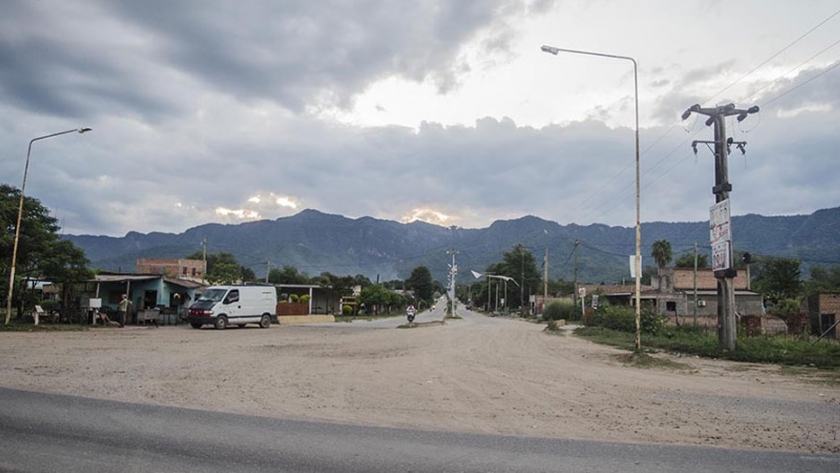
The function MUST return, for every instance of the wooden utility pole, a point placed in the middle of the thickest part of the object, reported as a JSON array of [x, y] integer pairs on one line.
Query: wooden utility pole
[[574, 293], [722, 250], [545, 278], [695, 284]]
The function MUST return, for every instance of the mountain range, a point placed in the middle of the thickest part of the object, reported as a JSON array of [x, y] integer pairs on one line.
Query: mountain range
[[316, 242]]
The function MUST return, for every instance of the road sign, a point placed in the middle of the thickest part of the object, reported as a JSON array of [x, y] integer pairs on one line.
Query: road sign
[[720, 256], [719, 226]]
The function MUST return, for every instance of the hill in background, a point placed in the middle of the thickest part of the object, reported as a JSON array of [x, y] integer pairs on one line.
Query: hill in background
[[315, 242]]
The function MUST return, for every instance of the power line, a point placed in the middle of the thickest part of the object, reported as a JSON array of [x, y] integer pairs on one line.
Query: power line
[[800, 85], [620, 192], [775, 55]]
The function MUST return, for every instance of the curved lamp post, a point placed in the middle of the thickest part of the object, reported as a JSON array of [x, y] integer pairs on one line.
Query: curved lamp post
[[638, 260], [20, 215]]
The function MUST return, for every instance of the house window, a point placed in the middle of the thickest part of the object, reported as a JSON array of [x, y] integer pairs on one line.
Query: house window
[[671, 306], [185, 271], [193, 271]]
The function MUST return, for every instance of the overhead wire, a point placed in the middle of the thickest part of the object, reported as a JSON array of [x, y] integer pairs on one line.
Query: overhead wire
[[621, 191]]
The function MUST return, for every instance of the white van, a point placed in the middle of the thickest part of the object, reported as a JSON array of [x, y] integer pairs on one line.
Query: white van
[[234, 305]]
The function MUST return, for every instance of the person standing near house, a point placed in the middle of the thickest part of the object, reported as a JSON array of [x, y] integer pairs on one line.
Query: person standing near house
[[123, 309]]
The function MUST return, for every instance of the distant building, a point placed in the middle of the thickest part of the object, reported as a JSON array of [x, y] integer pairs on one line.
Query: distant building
[[191, 269], [824, 310], [674, 294]]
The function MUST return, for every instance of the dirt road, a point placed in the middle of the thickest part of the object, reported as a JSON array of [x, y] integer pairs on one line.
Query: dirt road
[[478, 374]]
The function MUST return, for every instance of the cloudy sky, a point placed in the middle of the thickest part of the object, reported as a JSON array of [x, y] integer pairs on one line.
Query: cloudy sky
[[446, 111]]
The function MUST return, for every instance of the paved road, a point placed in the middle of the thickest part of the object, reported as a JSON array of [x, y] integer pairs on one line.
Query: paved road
[[48, 432]]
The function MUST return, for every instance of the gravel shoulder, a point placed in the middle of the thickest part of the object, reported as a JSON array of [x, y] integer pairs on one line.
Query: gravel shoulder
[[477, 375]]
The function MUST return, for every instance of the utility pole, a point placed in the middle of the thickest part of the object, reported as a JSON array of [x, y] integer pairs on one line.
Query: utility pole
[[574, 293], [545, 278], [453, 271], [522, 286], [695, 284], [722, 248], [489, 294], [204, 258], [267, 270]]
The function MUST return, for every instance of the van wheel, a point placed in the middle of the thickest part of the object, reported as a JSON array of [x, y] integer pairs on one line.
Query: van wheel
[[195, 325], [265, 321], [221, 322]]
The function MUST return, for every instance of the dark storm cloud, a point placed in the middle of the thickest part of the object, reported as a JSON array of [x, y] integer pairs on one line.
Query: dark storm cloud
[[57, 61], [288, 52], [70, 59]]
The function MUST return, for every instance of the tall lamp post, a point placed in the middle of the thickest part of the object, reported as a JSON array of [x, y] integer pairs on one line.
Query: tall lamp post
[[20, 215], [638, 260]]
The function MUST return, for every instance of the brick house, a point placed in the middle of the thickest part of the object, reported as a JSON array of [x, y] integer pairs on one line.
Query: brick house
[[823, 311], [190, 269]]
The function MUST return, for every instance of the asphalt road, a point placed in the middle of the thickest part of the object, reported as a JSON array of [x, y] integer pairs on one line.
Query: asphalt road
[[48, 432]]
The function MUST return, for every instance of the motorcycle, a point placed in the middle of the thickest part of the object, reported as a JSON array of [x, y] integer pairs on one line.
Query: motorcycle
[[410, 314]]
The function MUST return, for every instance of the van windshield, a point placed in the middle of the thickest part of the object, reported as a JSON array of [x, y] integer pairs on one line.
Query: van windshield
[[214, 295]]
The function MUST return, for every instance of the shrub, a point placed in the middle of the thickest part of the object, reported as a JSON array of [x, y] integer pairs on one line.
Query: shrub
[[304, 299], [558, 309], [48, 304], [294, 298], [624, 319], [346, 310]]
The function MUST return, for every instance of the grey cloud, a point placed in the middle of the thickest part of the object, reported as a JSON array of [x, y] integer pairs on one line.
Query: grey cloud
[[68, 61], [288, 52]]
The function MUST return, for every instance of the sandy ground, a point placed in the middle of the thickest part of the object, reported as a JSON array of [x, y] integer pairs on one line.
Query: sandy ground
[[481, 375]]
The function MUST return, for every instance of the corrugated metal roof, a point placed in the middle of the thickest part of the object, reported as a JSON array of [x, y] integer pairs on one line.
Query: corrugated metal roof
[[122, 277], [183, 283]]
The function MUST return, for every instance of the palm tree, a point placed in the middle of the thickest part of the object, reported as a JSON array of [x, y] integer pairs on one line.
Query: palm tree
[[661, 252]]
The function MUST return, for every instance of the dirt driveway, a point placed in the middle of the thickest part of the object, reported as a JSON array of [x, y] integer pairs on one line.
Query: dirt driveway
[[478, 374]]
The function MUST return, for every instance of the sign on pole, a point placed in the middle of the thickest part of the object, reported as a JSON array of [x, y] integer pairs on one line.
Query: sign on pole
[[720, 234], [720, 256], [633, 265]]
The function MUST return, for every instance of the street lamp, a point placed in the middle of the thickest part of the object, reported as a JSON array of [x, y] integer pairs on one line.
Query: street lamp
[[20, 215], [638, 260]]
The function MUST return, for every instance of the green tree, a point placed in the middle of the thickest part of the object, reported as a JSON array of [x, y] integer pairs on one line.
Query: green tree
[[41, 252], [420, 282], [520, 264], [377, 299], [647, 273], [222, 268], [823, 280], [247, 275], [778, 278], [661, 253], [686, 261], [287, 275], [560, 287]]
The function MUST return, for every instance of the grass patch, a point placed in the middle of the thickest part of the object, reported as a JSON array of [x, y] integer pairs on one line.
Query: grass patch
[[779, 349], [643, 360], [813, 375], [411, 325], [351, 318], [453, 317], [739, 368], [17, 326], [552, 328]]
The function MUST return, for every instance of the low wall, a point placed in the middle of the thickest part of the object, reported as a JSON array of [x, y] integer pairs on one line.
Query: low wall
[[305, 319], [291, 308]]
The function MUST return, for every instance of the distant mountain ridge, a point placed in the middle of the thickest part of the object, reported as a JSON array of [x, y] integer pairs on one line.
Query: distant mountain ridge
[[315, 242]]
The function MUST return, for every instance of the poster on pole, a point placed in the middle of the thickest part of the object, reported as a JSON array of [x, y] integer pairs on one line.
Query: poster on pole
[[719, 226], [633, 265], [720, 256]]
